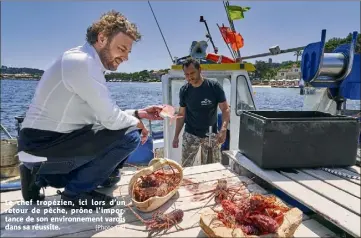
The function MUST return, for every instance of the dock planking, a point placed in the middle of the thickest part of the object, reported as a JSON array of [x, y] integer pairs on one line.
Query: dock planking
[[202, 178], [335, 181], [310, 188]]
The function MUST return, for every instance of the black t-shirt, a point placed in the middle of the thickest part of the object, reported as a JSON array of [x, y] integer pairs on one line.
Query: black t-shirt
[[201, 106]]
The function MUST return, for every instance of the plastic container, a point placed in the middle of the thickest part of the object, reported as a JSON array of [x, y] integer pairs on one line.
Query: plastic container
[[143, 154], [298, 139]]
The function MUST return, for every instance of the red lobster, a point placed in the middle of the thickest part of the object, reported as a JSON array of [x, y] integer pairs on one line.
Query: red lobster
[[161, 221], [158, 183], [223, 191], [251, 215]]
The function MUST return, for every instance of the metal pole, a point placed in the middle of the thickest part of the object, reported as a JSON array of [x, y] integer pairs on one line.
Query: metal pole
[[268, 54], [209, 35], [209, 151], [6, 132], [150, 127]]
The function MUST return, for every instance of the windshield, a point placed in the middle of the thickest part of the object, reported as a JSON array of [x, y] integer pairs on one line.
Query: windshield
[[175, 85], [244, 97]]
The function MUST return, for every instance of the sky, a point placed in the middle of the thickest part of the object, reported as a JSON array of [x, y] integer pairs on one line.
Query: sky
[[35, 33]]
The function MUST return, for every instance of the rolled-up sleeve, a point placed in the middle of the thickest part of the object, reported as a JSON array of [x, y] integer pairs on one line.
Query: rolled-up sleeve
[[82, 76]]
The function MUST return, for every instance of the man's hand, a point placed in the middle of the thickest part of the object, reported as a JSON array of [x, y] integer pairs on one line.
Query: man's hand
[[175, 142], [221, 136], [144, 133], [151, 113]]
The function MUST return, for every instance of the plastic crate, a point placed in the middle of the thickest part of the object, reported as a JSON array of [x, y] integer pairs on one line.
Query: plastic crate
[[298, 139]]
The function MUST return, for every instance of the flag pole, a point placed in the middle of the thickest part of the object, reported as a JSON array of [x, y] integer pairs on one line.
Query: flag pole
[[226, 43], [232, 27], [229, 20]]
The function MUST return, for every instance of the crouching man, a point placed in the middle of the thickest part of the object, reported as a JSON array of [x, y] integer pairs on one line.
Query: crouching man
[[74, 136]]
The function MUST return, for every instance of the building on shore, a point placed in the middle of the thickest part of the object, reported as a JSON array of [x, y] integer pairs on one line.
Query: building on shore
[[291, 73]]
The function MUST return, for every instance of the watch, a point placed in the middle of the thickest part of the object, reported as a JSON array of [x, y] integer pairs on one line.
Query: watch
[[136, 114]]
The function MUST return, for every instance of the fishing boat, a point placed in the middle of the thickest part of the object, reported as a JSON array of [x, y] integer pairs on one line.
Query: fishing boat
[[230, 72]]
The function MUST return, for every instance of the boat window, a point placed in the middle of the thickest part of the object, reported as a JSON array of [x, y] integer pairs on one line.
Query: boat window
[[244, 97], [175, 85], [227, 89]]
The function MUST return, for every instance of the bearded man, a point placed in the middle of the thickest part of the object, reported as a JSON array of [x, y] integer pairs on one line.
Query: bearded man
[[199, 99], [74, 136]]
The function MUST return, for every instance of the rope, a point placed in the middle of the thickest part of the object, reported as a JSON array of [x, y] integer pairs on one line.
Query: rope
[[171, 58]]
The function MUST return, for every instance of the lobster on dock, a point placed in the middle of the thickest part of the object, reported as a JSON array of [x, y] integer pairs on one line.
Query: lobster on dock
[[162, 221], [256, 215], [224, 191], [154, 185]]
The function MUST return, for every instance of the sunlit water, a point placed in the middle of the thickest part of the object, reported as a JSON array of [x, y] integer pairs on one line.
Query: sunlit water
[[16, 96]]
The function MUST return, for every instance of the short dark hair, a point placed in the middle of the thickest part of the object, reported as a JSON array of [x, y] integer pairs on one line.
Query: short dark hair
[[190, 61]]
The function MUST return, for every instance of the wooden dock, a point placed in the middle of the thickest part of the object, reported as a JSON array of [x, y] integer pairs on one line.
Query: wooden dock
[[332, 197], [201, 177]]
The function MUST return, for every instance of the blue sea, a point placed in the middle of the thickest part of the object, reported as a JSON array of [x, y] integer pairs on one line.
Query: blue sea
[[16, 96]]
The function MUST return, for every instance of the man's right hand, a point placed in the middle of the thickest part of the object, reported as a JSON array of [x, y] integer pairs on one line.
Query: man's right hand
[[175, 142]]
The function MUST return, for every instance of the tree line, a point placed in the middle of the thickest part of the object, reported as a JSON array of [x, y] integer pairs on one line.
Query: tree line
[[23, 70], [141, 76]]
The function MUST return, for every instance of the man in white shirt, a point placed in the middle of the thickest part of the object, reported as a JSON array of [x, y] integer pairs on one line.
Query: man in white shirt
[[74, 124]]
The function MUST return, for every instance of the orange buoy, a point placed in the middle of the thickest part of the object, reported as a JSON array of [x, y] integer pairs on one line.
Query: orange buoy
[[219, 58]]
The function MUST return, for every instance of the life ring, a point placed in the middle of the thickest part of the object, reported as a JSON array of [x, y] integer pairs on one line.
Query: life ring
[[219, 58]]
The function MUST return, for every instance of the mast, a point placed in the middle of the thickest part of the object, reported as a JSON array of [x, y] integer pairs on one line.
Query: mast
[[231, 25]]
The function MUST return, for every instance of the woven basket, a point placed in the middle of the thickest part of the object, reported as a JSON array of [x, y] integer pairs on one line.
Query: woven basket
[[9, 149], [10, 171], [154, 202]]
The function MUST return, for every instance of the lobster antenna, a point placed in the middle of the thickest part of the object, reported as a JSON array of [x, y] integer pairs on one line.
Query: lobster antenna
[[136, 214]]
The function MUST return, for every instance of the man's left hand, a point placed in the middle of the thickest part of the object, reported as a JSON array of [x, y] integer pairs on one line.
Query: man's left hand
[[144, 135], [151, 113], [221, 137]]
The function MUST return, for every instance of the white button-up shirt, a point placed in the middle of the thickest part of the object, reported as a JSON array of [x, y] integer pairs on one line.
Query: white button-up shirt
[[73, 93]]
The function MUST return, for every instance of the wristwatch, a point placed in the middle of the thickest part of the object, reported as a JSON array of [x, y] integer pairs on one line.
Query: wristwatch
[[136, 114]]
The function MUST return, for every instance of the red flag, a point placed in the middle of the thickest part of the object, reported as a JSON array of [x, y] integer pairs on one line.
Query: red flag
[[232, 37]]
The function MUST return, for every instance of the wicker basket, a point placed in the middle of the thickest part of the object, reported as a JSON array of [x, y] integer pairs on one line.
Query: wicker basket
[[213, 227], [9, 149], [154, 202], [10, 171]]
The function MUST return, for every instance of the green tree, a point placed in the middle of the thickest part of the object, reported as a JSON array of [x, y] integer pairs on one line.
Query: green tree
[[334, 42], [298, 53]]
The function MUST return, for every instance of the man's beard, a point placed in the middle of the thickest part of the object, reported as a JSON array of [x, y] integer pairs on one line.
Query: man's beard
[[104, 55]]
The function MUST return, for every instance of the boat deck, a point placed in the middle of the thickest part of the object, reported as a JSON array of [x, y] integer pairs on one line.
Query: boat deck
[[196, 178], [334, 199]]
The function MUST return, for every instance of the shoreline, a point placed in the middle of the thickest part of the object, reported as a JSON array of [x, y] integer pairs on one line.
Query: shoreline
[[126, 81], [261, 86]]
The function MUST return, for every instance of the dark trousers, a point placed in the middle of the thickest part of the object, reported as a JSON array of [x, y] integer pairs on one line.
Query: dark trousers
[[84, 172]]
